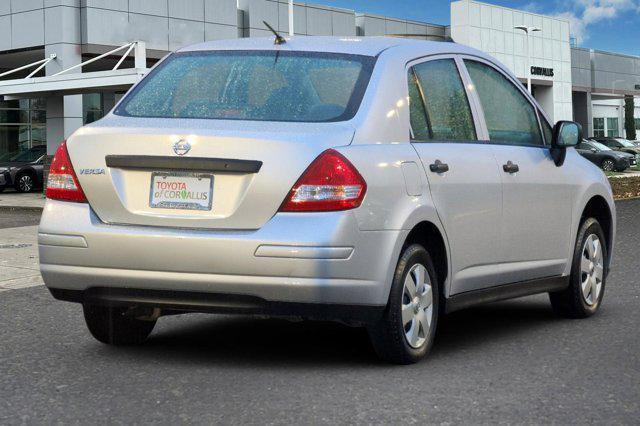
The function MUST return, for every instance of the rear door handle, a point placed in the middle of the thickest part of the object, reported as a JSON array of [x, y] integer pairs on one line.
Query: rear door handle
[[510, 167], [439, 167]]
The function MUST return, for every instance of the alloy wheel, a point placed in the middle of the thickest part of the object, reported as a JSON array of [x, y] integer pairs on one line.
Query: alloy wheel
[[417, 306], [607, 165], [25, 183], [592, 269]]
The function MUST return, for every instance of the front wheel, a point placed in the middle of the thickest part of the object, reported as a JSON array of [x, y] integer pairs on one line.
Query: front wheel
[[583, 296], [116, 326], [608, 165], [405, 333]]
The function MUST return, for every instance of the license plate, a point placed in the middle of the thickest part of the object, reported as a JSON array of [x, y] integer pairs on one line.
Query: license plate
[[183, 191]]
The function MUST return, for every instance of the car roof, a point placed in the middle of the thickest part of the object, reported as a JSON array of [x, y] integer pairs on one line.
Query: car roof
[[368, 46]]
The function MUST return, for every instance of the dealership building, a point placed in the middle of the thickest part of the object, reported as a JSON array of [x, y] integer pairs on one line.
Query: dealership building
[[65, 63]]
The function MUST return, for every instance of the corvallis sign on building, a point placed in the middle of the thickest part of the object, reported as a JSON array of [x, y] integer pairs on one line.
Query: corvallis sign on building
[[546, 72]]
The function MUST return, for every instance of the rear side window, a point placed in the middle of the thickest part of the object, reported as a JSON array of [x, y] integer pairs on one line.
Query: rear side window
[[439, 109], [253, 85], [510, 117]]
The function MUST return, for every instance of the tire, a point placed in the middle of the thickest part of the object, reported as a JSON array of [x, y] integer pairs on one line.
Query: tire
[[114, 327], [407, 341], [25, 182], [2, 187], [607, 165], [574, 302]]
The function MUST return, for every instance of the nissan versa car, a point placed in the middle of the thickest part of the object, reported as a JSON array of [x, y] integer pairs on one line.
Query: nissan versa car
[[379, 182]]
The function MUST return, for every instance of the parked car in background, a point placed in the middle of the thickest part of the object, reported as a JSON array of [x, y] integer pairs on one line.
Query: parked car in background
[[376, 181], [604, 157], [23, 171], [620, 144]]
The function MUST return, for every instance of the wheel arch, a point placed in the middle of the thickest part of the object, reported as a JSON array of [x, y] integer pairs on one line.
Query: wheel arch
[[598, 208], [26, 171], [429, 235]]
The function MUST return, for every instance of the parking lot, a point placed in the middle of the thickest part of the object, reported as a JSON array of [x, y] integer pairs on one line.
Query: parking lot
[[508, 362]]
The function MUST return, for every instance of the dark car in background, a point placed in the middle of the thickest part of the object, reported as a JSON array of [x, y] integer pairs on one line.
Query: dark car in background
[[23, 170], [604, 157], [620, 144]]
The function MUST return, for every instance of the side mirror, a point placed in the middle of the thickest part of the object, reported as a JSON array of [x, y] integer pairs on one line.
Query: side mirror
[[565, 134]]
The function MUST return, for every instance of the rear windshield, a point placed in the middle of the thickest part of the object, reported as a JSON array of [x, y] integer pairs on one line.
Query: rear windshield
[[252, 85]]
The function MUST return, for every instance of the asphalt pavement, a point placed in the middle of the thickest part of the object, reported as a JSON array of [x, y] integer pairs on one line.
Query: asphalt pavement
[[10, 218], [507, 362]]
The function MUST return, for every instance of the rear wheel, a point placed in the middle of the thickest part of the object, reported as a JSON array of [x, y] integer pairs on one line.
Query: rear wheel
[[608, 165], [116, 326], [405, 333], [588, 274], [25, 183]]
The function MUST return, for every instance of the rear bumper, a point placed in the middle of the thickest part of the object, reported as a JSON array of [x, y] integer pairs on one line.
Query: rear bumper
[[171, 301], [297, 258], [5, 179]]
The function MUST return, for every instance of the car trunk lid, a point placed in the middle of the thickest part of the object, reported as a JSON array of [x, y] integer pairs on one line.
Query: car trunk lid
[[251, 167]]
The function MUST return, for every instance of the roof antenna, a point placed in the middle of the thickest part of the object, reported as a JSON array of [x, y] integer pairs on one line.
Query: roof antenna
[[279, 39]]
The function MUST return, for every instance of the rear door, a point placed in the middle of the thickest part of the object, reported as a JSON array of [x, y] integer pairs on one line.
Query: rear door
[[537, 195], [462, 172]]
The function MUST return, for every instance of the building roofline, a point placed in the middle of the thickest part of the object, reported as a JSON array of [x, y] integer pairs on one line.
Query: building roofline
[[392, 18], [604, 52], [515, 10]]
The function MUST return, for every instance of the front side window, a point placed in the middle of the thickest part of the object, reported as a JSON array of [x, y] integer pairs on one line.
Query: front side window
[[439, 108], [546, 129], [599, 146], [253, 85], [511, 119]]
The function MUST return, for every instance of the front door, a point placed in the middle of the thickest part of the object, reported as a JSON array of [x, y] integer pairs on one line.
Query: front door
[[537, 196], [589, 152], [462, 172]]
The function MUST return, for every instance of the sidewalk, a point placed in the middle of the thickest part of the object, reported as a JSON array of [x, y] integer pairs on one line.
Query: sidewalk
[[19, 258], [10, 200], [626, 174]]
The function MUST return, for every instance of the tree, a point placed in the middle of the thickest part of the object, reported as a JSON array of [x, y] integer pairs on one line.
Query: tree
[[629, 122]]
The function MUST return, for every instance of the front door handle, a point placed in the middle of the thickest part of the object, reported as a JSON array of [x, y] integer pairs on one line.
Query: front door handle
[[510, 167], [439, 167]]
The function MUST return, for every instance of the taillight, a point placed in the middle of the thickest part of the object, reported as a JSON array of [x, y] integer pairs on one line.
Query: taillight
[[330, 183], [62, 183]]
